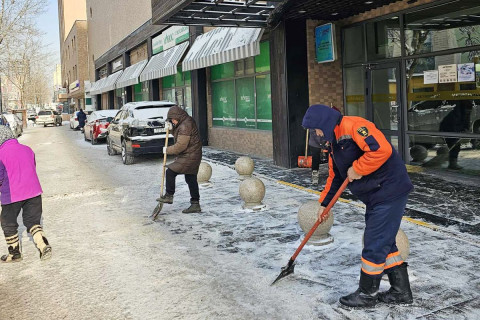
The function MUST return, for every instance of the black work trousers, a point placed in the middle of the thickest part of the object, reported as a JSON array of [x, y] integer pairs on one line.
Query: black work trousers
[[190, 179], [32, 214]]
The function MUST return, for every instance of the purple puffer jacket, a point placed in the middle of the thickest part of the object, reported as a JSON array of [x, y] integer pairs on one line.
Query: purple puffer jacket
[[18, 175]]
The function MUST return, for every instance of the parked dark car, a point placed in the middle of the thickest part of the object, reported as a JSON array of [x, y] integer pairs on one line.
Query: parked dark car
[[138, 128], [96, 125]]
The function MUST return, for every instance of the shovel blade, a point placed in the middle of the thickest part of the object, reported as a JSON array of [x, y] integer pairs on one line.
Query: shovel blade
[[157, 210], [288, 269]]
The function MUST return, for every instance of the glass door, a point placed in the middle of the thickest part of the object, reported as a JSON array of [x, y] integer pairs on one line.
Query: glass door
[[383, 101]]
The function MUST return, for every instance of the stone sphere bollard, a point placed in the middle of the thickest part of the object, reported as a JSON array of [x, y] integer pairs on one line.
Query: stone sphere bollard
[[244, 167], [443, 150], [307, 216], [403, 244], [252, 192], [418, 153], [204, 173]]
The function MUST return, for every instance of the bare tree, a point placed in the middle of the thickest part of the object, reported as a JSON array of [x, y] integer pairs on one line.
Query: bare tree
[[17, 16]]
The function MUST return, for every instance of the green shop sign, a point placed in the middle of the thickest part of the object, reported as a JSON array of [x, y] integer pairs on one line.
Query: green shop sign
[[170, 38]]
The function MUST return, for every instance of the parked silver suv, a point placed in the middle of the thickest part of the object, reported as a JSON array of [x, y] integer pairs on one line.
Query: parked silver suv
[[47, 117]]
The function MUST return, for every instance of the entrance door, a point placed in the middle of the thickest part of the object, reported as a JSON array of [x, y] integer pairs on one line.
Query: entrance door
[[383, 101]]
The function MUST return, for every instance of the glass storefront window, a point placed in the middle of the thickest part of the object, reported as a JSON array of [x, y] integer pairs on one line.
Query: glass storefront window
[[355, 91], [384, 39], [443, 107], [141, 91], [168, 82], [262, 61], [264, 102], [222, 71], [223, 102], [245, 95], [119, 102], [355, 45], [443, 27]]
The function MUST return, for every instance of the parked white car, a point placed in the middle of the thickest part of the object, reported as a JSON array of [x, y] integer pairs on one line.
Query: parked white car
[[14, 123], [73, 120], [47, 117]]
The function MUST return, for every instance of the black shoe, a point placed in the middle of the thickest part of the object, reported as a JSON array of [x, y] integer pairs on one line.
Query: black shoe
[[194, 207], [453, 165], [14, 255], [399, 292], [366, 296], [166, 198]]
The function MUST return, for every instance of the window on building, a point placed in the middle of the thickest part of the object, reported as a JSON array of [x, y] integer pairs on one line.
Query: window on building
[[241, 92], [384, 39], [178, 88], [140, 91]]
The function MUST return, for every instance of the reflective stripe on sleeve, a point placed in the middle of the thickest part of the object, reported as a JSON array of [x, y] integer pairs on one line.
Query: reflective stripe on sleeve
[[372, 268], [393, 259]]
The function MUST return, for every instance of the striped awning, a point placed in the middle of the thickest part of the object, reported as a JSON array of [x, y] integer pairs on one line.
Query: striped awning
[[130, 75], [109, 84], [97, 85], [223, 45], [164, 63]]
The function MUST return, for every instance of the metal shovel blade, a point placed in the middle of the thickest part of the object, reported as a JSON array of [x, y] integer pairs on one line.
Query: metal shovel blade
[[157, 210], [288, 269]]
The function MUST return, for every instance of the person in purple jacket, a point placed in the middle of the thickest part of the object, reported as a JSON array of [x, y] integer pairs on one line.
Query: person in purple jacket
[[20, 190]]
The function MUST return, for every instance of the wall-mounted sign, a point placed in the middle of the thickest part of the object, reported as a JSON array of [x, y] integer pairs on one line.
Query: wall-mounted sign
[[170, 38], [74, 86], [325, 48], [447, 73], [430, 76], [117, 65], [466, 72]]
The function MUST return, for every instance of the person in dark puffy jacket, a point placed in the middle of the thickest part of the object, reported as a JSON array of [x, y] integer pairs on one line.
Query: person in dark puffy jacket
[[378, 177], [82, 117], [20, 190], [188, 148]]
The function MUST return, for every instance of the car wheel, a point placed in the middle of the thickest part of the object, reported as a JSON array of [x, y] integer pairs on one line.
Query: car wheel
[[44, 125], [126, 158], [61, 123], [111, 151], [92, 139]]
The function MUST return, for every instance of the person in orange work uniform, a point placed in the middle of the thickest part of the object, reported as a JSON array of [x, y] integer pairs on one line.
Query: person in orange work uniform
[[378, 177]]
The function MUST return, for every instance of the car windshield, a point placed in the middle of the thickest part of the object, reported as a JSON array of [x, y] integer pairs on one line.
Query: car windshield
[[45, 113], [151, 112]]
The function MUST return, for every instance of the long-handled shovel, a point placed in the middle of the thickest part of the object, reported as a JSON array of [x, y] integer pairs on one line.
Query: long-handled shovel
[[289, 268], [440, 159], [305, 161], [159, 206]]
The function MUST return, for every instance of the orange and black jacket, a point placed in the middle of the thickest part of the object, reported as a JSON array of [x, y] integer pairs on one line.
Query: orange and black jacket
[[356, 142]]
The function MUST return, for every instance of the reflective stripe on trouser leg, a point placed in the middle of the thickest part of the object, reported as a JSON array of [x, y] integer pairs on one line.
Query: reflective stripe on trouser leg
[[393, 259], [382, 222]]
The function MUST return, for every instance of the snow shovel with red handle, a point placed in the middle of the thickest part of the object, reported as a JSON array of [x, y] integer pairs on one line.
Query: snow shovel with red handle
[[289, 268], [159, 206]]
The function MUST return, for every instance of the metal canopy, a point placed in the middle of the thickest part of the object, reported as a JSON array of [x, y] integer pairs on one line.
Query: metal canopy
[[164, 63], [97, 85], [109, 84], [222, 45], [130, 75], [219, 13]]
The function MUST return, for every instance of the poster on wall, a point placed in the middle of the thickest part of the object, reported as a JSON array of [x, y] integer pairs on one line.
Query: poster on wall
[[430, 76], [447, 73], [325, 48], [466, 72]]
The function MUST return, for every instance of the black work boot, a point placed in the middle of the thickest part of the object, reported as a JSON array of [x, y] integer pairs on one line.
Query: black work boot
[[194, 207], [166, 198], [14, 252], [399, 292], [366, 295], [453, 164]]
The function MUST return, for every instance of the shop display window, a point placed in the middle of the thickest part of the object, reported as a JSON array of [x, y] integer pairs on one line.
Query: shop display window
[[177, 88]]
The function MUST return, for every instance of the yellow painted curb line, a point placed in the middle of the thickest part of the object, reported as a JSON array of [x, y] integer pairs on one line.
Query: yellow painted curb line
[[411, 168], [360, 205]]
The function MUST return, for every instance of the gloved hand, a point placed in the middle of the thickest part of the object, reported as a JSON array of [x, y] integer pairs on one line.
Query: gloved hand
[[168, 125], [320, 211], [353, 175], [164, 150]]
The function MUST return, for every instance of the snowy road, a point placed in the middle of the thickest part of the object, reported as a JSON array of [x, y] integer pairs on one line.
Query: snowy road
[[110, 262]]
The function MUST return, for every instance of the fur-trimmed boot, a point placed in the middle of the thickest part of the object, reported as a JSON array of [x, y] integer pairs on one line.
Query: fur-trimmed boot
[[399, 292], [41, 242], [14, 251], [366, 295], [194, 207]]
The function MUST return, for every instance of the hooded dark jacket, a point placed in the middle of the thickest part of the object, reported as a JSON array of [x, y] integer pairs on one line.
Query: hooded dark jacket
[[356, 142], [188, 146]]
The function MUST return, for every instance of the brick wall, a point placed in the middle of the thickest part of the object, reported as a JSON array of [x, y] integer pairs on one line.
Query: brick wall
[[325, 82], [253, 142]]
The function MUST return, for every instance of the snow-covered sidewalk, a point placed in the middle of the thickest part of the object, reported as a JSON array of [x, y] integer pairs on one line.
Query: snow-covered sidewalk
[[111, 262]]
